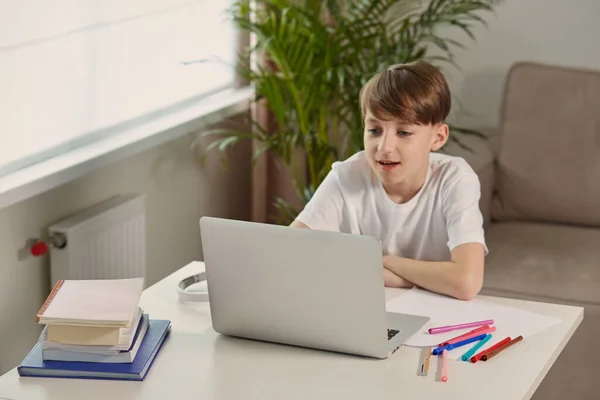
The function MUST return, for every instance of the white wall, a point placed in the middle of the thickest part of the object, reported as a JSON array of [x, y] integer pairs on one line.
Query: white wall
[[561, 32], [178, 191]]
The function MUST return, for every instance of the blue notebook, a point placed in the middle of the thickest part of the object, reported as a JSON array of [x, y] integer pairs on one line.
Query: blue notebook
[[33, 365]]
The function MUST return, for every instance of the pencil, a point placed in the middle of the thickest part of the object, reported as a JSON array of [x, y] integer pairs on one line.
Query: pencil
[[425, 364], [494, 352], [445, 365]]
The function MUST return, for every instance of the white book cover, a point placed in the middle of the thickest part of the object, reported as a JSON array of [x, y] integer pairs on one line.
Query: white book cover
[[96, 302]]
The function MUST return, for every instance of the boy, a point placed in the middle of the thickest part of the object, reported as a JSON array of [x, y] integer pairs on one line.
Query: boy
[[423, 206]]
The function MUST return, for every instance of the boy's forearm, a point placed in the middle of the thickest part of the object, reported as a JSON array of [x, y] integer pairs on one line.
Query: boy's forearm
[[447, 278], [395, 281]]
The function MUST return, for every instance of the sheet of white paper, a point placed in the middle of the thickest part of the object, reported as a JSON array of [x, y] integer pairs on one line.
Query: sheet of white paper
[[443, 310]]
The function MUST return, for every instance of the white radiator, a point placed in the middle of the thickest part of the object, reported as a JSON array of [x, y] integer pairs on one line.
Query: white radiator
[[105, 241]]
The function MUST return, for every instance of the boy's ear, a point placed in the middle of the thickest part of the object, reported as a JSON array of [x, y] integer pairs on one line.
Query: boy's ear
[[440, 137]]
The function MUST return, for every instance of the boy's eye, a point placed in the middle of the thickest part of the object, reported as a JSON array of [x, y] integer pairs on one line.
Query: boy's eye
[[405, 133], [373, 131]]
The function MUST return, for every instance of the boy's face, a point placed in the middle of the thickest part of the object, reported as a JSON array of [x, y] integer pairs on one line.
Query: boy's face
[[398, 153]]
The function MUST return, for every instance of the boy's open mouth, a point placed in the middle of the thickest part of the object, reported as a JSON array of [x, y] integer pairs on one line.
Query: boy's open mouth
[[387, 165]]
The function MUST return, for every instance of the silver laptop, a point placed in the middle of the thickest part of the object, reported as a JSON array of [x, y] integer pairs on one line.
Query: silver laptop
[[301, 287]]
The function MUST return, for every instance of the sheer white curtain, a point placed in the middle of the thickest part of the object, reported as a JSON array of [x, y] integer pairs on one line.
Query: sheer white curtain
[[72, 70]]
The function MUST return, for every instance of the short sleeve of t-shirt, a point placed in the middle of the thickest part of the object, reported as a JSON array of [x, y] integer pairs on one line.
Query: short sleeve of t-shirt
[[464, 221], [324, 209]]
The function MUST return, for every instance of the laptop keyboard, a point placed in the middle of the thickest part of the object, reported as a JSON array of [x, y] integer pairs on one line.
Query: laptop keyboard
[[392, 333]]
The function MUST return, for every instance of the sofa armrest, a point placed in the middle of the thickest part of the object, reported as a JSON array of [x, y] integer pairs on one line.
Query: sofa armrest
[[481, 157]]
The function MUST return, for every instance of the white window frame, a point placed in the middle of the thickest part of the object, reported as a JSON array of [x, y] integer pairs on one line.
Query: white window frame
[[53, 172]]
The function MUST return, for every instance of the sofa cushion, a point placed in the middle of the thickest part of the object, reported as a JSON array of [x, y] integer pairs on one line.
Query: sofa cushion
[[553, 261], [549, 149]]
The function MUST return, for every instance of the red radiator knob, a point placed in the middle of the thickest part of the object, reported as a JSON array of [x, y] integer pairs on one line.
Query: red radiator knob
[[39, 249]]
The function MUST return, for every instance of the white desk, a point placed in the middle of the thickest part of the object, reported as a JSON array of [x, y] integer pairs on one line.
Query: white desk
[[195, 362]]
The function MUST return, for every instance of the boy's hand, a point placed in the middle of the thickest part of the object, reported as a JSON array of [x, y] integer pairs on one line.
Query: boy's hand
[[392, 280]]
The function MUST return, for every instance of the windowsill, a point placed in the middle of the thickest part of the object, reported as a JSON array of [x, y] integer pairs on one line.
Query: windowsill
[[43, 176]]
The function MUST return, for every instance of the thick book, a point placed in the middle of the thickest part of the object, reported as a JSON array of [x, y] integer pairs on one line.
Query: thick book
[[105, 350], [34, 366], [94, 335], [92, 302], [93, 354]]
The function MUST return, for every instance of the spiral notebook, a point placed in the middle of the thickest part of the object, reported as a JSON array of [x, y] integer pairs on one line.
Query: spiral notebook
[[94, 302]]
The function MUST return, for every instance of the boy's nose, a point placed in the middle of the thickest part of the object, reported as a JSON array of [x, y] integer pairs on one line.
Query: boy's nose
[[385, 144]]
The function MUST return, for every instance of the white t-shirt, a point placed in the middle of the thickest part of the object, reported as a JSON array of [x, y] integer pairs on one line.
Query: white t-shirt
[[442, 215]]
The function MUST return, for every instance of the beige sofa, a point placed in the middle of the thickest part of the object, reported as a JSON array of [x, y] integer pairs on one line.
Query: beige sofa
[[541, 200]]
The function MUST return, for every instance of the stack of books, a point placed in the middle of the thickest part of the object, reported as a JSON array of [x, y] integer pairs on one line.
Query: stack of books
[[95, 329]]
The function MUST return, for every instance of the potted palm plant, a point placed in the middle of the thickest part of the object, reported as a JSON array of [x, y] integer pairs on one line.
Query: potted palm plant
[[316, 55]]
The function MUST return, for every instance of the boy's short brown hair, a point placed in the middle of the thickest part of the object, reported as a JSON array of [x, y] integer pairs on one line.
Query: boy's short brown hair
[[414, 93]]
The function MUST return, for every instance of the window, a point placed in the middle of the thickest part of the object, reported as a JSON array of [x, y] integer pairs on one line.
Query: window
[[74, 71]]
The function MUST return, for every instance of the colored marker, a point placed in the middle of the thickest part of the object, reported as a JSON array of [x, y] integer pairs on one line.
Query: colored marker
[[464, 335], [458, 344], [477, 346], [445, 365], [448, 328], [478, 356], [491, 354], [470, 335]]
